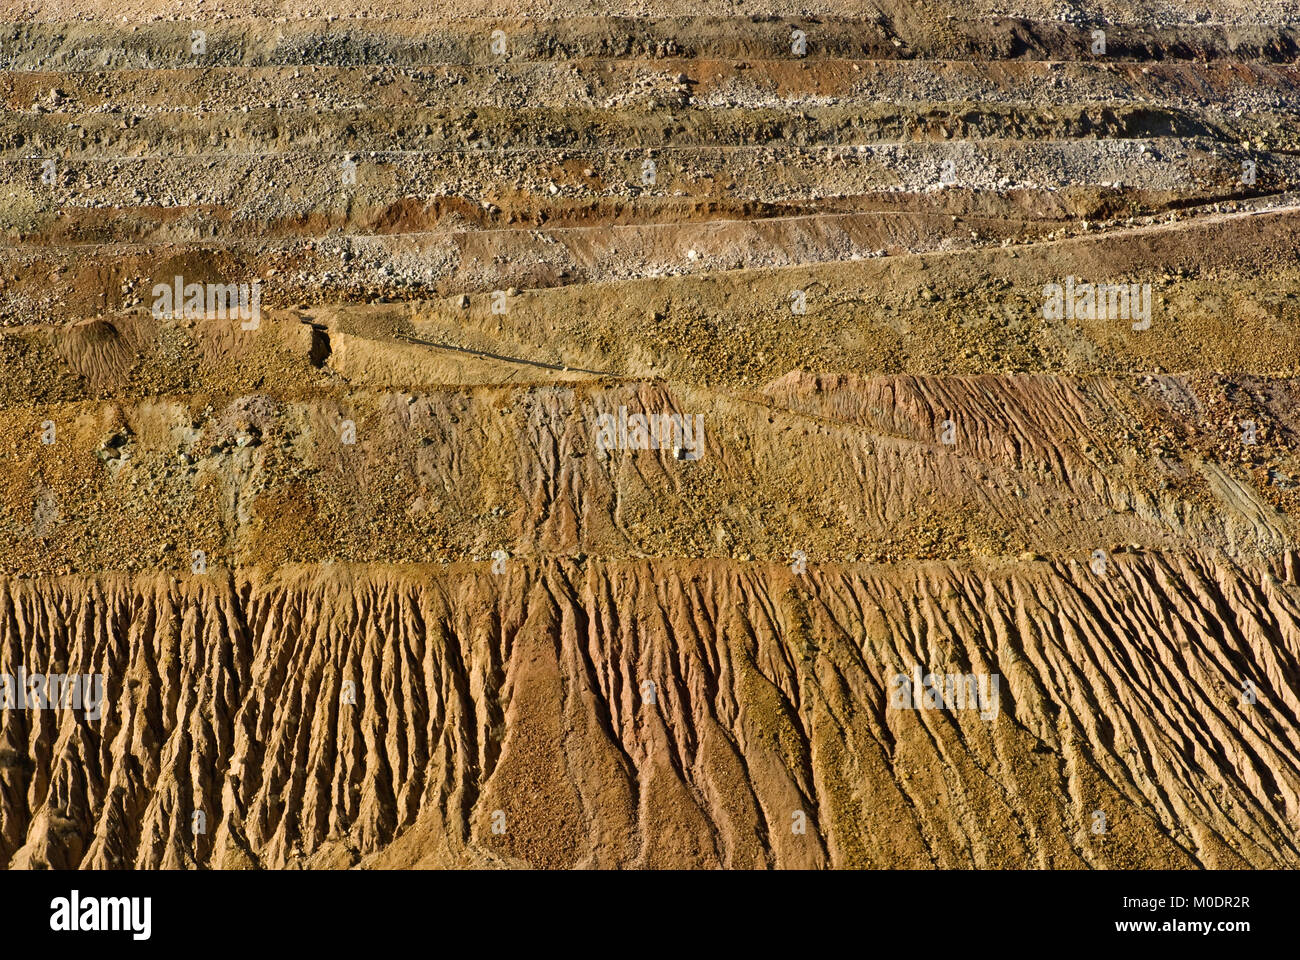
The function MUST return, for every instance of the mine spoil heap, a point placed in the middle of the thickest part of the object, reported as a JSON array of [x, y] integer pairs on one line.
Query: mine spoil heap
[[556, 435]]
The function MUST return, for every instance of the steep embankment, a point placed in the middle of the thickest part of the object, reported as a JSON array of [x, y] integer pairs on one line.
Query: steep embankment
[[332, 716]]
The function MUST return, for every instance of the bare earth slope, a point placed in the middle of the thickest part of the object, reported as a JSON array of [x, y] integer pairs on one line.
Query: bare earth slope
[[524, 694]]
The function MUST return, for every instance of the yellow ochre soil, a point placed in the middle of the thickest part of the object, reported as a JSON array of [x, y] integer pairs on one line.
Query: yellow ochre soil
[[370, 580]]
